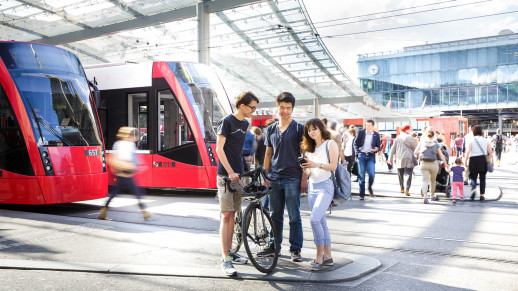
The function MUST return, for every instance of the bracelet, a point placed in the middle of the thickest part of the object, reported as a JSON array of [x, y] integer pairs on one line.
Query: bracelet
[[321, 165]]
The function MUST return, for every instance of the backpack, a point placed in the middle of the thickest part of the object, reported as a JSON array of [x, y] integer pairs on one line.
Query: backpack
[[429, 154], [341, 180], [499, 140]]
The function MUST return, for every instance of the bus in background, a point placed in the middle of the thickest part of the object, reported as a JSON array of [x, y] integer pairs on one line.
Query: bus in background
[[177, 107], [51, 148]]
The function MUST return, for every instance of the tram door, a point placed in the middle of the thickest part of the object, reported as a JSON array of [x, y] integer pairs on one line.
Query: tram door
[[178, 162]]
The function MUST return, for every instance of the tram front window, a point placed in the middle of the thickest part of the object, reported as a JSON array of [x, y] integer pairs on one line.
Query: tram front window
[[59, 109], [206, 95], [55, 94], [173, 128]]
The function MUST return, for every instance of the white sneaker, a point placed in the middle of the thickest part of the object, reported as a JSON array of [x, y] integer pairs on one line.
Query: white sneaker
[[228, 269]]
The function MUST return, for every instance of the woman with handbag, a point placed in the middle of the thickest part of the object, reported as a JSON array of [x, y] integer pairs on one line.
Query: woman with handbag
[[318, 165], [124, 163], [429, 154], [479, 159]]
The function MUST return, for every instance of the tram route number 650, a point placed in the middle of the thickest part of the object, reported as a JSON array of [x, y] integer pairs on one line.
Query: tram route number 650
[[164, 164], [89, 153]]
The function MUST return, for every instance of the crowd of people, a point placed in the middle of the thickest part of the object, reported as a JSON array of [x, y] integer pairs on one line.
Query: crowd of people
[[324, 145], [301, 157]]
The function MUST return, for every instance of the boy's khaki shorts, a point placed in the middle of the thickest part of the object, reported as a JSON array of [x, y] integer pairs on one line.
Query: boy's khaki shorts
[[229, 201]]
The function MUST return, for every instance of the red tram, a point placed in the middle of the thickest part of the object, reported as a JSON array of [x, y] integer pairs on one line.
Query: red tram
[[176, 106], [51, 148]]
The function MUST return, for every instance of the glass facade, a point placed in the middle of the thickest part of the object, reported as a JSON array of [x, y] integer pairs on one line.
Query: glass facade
[[465, 72]]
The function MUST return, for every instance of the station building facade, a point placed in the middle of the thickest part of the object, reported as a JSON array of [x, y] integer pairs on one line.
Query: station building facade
[[477, 78]]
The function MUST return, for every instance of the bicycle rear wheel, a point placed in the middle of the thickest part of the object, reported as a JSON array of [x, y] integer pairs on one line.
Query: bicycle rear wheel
[[237, 238], [256, 235]]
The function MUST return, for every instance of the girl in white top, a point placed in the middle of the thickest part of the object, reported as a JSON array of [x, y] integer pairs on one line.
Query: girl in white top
[[318, 167]]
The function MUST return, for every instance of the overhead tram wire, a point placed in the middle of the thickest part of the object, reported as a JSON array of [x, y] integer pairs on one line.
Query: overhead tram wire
[[402, 14], [417, 25], [383, 12]]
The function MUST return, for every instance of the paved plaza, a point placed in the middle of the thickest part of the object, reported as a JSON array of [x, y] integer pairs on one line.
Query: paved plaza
[[390, 242]]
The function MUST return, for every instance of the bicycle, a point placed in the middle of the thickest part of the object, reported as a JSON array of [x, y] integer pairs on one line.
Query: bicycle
[[257, 224]]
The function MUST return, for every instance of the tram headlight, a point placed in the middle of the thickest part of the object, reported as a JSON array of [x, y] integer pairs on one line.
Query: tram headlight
[[48, 168], [44, 154], [47, 161], [104, 165]]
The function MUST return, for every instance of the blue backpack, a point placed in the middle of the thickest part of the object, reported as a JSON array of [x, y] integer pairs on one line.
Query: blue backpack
[[341, 180]]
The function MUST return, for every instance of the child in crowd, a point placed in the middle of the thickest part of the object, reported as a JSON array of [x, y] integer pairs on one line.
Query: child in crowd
[[457, 180]]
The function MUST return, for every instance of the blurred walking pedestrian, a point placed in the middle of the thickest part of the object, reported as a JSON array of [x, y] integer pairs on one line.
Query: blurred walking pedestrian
[[386, 145], [124, 164], [499, 141], [476, 161], [429, 153], [248, 150], [261, 147], [349, 154], [402, 156], [458, 145]]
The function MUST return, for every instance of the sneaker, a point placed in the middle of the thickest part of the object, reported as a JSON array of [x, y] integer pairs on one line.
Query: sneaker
[[268, 251], [482, 198], [317, 267], [435, 198], [237, 259], [326, 263], [362, 198], [426, 200], [462, 198], [228, 269], [454, 201], [295, 255]]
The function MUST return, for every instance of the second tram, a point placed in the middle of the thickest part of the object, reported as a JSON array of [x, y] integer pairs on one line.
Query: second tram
[[176, 106], [51, 148]]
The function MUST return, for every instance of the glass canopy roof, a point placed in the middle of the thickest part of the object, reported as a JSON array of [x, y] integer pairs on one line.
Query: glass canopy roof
[[263, 46]]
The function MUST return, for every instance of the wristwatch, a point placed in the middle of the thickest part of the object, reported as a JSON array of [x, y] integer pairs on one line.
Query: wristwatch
[[321, 166]]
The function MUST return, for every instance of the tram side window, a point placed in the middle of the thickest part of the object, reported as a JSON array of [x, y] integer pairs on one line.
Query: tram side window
[[139, 118], [13, 152], [174, 129]]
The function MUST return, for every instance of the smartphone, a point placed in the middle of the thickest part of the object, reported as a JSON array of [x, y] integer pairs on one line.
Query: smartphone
[[302, 161]]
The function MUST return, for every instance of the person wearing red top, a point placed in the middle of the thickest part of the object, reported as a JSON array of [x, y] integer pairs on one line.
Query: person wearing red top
[[459, 141], [385, 149]]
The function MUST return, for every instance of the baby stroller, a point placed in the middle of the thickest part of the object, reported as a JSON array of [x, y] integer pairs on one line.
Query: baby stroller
[[443, 181]]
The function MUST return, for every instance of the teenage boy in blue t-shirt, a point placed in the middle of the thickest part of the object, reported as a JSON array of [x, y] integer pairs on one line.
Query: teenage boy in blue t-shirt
[[281, 162], [230, 139]]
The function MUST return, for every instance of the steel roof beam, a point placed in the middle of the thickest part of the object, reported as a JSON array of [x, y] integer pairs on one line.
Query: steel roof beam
[[251, 42], [126, 8], [143, 21], [62, 15], [238, 76]]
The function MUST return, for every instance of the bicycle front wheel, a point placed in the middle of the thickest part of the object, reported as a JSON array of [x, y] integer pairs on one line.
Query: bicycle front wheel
[[257, 228], [237, 238]]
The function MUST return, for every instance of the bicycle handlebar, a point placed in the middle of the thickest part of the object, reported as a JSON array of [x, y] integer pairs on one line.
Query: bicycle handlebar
[[254, 174]]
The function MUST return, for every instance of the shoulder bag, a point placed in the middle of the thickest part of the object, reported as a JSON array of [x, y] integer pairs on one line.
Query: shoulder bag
[[488, 159], [341, 180]]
